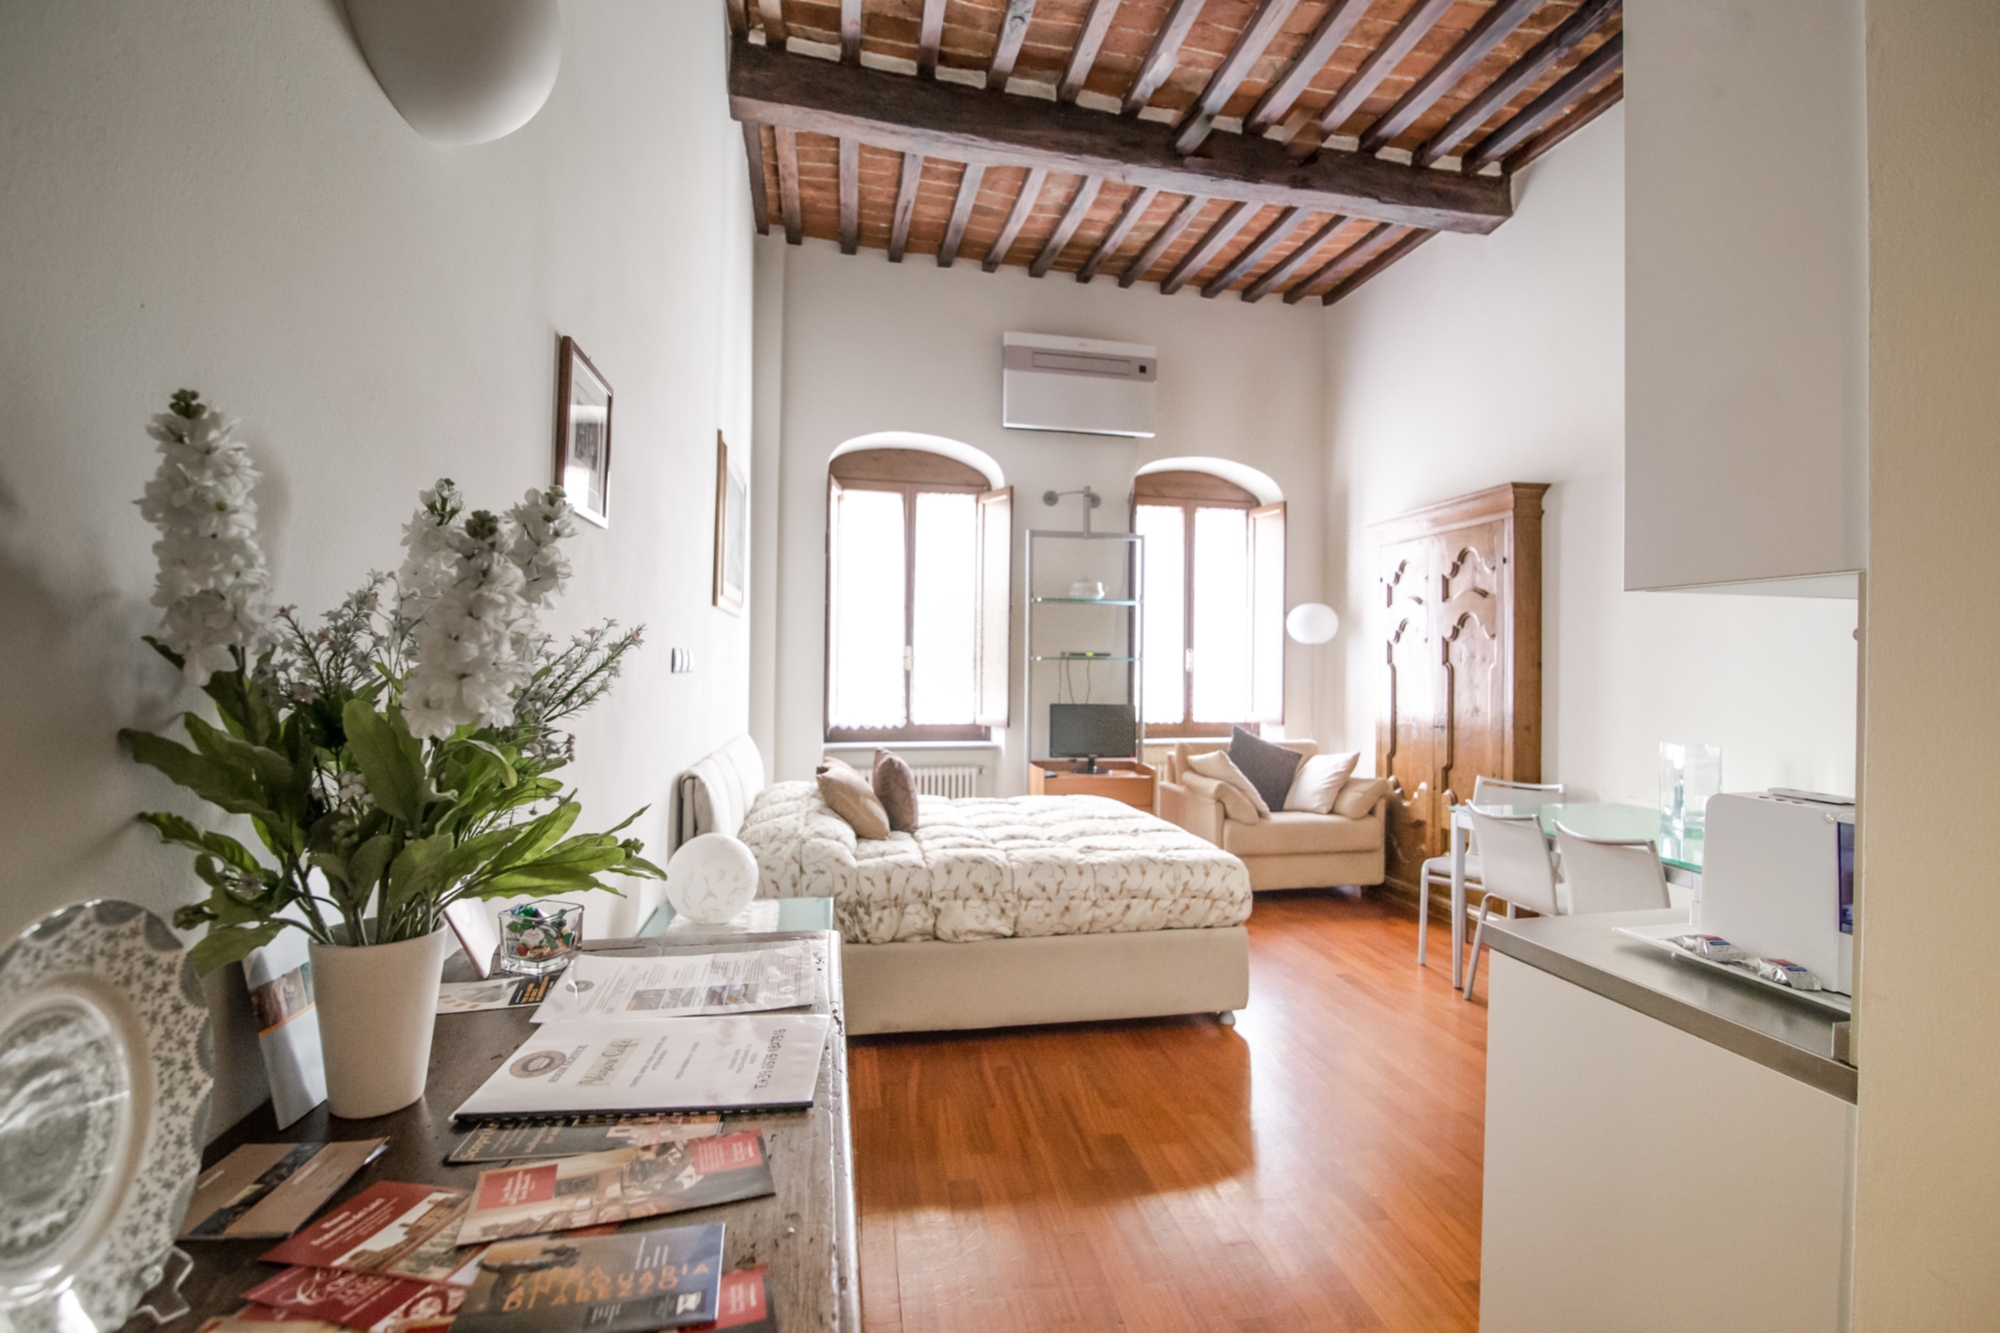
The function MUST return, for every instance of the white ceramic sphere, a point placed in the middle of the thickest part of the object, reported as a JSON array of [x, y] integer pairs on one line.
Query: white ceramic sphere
[[711, 878], [1312, 622]]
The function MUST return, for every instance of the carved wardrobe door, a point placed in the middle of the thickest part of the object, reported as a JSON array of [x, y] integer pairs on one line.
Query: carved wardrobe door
[[1462, 696]]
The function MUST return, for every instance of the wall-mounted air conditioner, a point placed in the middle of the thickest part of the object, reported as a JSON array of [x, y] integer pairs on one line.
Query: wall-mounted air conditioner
[[1077, 385]]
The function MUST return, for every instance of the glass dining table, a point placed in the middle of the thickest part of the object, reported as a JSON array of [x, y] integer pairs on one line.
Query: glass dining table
[[1680, 851]]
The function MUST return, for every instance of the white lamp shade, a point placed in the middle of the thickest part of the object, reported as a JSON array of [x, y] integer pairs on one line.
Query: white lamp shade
[[1312, 622], [461, 71], [711, 878]]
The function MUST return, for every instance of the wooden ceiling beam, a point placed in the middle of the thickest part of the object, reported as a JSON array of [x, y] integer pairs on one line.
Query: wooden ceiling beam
[[739, 17], [1017, 218], [1409, 242], [1128, 217], [1593, 69], [1233, 220], [850, 196], [1382, 62], [961, 212], [760, 198], [1493, 28], [942, 119], [1376, 243], [906, 205], [1161, 57], [1250, 44], [1072, 218], [850, 32], [1589, 109], [1538, 60], [1311, 59], [929, 38], [1013, 31], [1326, 273], [1253, 254], [775, 32], [788, 183], [1168, 233], [1287, 268], [1084, 54]]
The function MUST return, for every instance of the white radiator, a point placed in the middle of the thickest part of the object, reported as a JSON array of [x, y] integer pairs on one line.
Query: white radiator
[[954, 780]]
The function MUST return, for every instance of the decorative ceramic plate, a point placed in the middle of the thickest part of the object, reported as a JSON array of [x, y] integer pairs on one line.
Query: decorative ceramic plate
[[107, 1064]]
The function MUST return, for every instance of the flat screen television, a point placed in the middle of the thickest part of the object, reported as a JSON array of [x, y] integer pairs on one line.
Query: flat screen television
[[1092, 731]]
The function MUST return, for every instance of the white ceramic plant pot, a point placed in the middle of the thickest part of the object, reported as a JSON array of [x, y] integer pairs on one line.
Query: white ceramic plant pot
[[376, 1006]]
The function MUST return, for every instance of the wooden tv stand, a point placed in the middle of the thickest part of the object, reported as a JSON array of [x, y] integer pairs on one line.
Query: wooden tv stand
[[1125, 780]]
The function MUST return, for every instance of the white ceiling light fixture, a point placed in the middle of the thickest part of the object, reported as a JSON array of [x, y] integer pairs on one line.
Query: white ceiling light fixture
[[1312, 623], [461, 72]]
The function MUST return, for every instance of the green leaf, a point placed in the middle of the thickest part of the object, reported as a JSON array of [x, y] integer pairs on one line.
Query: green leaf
[[174, 829], [231, 944], [390, 759], [413, 874], [370, 859], [219, 782]]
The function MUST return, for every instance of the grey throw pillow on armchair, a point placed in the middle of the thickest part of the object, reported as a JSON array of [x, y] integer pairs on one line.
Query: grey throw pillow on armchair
[[1269, 767]]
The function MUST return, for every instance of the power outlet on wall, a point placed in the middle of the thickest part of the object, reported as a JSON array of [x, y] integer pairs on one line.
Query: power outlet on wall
[[680, 661]]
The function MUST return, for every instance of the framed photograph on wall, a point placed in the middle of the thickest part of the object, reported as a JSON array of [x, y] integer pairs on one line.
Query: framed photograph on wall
[[583, 434], [732, 532]]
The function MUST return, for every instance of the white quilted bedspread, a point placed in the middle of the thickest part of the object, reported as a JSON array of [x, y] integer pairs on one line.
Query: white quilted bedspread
[[986, 869]]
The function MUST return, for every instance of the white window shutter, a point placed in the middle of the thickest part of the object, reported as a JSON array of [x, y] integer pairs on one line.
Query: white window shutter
[[1267, 613], [996, 601]]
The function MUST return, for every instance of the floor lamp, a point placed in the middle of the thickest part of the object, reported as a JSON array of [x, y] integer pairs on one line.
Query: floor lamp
[[1312, 624]]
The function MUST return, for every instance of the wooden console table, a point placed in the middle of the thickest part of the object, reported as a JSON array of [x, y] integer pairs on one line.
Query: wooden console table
[[1125, 780], [805, 1232]]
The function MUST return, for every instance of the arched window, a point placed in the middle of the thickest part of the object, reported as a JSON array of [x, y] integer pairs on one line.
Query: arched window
[[917, 595], [1215, 602]]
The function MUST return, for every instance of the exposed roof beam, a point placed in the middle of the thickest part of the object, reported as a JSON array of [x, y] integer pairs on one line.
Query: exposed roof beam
[[1088, 43], [961, 210], [739, 17], [1311, 59], [775, 31], [1381, 63], [850, 32], [1229, 75], [1332, 268], [850, 196], [1589, 109], [1017, 218], [1592, 69], [929, 38], [788, 182], [1253, 254], [1377, 243], [1161, 56], [1545, 54], [1209, 246], [760, 199], [948, 120], [1168, 233], [906, 206], [1072, 218], [1494, 28], [1013, 31], [1128, 217], [1388, 256], [1288, 267]]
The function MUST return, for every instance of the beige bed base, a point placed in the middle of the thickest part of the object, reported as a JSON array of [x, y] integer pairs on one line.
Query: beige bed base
[[935, 986]]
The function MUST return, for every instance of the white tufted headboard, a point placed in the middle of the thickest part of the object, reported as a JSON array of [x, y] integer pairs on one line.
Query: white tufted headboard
[[716, 792]]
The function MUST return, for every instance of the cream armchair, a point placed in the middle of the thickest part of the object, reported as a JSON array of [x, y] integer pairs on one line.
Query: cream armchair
[[1290, 850]]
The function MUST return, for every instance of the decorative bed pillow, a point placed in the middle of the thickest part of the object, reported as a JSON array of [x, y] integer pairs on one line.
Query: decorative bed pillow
[[896, 788], [1269, 767], [1319, 782], [848, 795], [1358, 797], [1247, 806]]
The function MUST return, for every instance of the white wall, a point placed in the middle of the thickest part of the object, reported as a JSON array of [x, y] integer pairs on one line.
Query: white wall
[[1481, 360], [871, 346], [219, 197], [1927, 1191]]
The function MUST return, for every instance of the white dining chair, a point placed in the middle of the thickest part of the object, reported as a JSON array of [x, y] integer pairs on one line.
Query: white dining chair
[[1514, 854], [1610, 874], [1437, 870]]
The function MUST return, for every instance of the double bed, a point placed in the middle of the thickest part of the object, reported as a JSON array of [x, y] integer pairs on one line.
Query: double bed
[[995, 912]]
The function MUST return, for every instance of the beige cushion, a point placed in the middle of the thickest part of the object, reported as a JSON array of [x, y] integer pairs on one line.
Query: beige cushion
[[1218, 765], [896, 787], [1293, 832], [1318, 782], [1359, 796], [848, 795]]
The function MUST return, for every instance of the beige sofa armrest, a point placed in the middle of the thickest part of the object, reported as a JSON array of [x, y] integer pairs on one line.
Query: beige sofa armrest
[[1192, 804]]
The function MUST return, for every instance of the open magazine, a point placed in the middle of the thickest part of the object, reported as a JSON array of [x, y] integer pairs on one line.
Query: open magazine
[[673, 985]]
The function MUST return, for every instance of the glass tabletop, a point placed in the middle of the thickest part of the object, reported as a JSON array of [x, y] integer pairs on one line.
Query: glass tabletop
[[1596, 819]]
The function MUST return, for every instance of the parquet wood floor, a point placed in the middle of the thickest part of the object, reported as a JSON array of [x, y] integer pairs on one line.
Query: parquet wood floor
[[1317, 1167]]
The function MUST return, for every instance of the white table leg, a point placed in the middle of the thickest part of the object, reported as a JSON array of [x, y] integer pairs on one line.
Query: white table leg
[[1460, 837]]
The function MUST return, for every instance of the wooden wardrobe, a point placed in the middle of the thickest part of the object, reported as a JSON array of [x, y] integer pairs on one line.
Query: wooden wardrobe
[[1461, 584]]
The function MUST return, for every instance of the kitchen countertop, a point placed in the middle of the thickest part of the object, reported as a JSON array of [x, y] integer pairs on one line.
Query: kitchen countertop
[[1791, 1036]]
